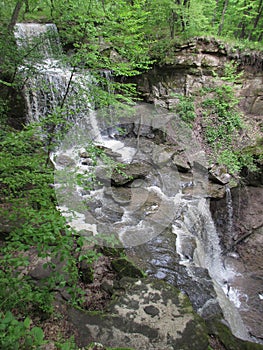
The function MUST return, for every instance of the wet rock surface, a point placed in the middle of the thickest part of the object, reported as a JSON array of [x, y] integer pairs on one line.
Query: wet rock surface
[[150, 315], [219, 175], [122, 175], [160, 260], [150, 203]]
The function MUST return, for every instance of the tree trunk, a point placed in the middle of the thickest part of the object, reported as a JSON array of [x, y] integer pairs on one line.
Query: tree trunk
[[183, 20], [186, 19], [15, 15], [187, 3], [172, 24], [242, 23], [27, 6], [223, 17], [260, 10]]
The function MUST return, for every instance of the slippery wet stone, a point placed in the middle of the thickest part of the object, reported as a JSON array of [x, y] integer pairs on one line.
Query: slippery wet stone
[[121, 195], [181, 163], [130, 172], [122, 175], [244, 244], [65, 161]]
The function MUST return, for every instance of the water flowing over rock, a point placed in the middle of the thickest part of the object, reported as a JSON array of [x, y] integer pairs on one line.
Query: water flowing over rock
[[128, 173], [243, 249], [159, 212], [52, 85]]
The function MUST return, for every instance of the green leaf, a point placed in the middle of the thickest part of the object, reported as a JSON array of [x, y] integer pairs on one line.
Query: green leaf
[[27, 322], [38, 334]]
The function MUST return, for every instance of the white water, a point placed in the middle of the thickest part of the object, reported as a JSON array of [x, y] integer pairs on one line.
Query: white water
[[229, 210], [43, 39], [51, 87], [195, 221], [141, 221], [208, 254]]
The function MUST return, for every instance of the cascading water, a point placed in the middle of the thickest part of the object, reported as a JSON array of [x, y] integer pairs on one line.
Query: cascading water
[[51, 86], [162, 216], [229, 209], [208, 255], [42, 38], [154, 211]]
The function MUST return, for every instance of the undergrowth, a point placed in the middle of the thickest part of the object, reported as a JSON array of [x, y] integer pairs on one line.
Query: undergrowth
[[32, 228], [223, 123]]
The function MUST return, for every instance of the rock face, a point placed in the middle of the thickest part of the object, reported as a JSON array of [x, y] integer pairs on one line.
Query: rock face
[[191, 67], [151, 315], [129, 173]]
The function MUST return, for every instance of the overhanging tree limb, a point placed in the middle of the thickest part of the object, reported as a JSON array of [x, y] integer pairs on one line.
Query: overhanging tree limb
[[15, 15]]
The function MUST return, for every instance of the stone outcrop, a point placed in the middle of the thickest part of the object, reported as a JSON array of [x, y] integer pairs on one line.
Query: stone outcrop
[[150, 315], [190, 67], [185, 71]]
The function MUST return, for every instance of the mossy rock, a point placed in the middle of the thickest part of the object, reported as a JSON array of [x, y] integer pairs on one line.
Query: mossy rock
[[129, 173], [230, 342], [125, 268], [256, 149], [149, 314], [114, 252]]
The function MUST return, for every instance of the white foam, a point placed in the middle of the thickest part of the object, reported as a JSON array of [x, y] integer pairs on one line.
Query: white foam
[[76, 220], [126, 153]]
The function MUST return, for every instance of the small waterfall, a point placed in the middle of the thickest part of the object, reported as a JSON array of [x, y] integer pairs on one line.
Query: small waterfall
[[53, 88], [208, 255], [42, 39], [47, 79], [229, 209]]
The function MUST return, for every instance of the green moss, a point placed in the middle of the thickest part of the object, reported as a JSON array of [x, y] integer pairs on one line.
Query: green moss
[[255, 150], [224, 335], [125, 268]]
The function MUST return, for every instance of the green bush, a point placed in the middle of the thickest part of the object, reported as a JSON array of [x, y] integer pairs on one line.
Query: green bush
[[17, 335], [186, 109]]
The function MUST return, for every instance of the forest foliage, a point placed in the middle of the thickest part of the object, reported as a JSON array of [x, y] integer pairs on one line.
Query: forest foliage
[[123, 19], [134, 27]]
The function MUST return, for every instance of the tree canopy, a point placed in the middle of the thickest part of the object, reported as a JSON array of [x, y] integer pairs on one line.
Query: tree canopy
[[116, 21]]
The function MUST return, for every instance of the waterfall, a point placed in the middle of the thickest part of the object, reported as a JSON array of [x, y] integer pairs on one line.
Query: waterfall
[[208, 255], [52, 87], [229, 209], [144, 209], [43, 39], [46, 78]]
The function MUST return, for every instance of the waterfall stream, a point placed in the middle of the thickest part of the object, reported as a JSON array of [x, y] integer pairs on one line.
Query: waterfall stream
[[229, 208], [162, 215]]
